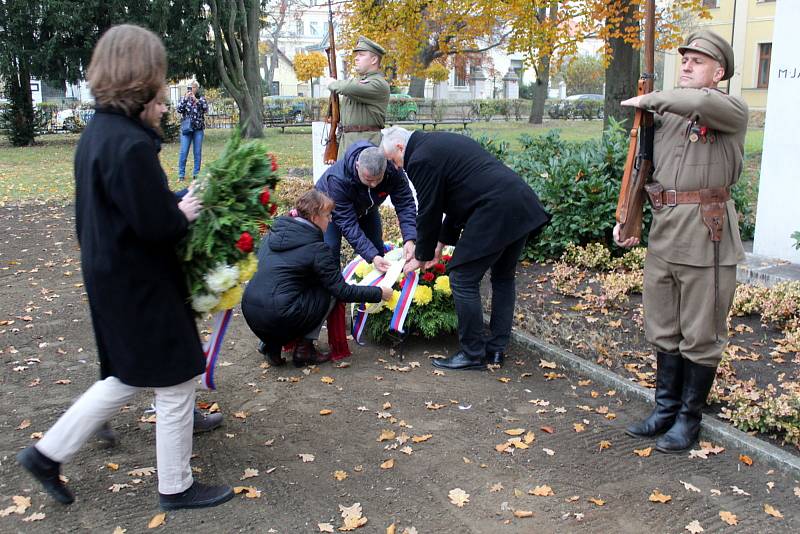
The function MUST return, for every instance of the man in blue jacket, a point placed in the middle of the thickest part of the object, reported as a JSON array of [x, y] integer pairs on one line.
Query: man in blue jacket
[[359, 183]]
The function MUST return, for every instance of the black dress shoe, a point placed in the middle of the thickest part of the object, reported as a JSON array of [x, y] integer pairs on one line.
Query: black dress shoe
[[460, 361], [273, 357], [206, 423], [197, 496], [106, 435], [495, 357], [47, 472]]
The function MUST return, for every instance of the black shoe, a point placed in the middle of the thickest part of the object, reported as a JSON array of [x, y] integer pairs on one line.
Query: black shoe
[[206, 423], [495, 357], [197, 496], [106, 435], [274, 358], [461, 362], [306, 353], [47, 472], [669, 385], [697, 381]]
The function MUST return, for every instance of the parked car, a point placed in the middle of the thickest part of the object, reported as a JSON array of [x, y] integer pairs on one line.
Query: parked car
[[284, 109], [402, 108], [584, 106]]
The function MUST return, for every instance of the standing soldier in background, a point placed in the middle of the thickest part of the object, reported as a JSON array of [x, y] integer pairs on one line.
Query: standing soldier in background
[[364, 98], [694, 243]]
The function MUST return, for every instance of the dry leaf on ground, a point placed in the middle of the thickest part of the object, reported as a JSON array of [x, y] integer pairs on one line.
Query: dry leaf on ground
[[549, 452], [142, 472], [325, 412], [643, 453], [657, 496], [542, 491], [388, 464], [115, 488], [112, 466], [325, 527], [24, 424], [523, 513], [38, 516], [458, 497], [386, 435], [739, 491], [420, 439], [249, 473], [340, 475], [690, 487], [352, 516], [598, 502], [771, 510], [496, 487], [306, 457], [544, 364], [157, 520], [694, 527], [729, 518], [120, 530], [604, 444], [514, 431], [746, 460], [249, 491], [579, 427]]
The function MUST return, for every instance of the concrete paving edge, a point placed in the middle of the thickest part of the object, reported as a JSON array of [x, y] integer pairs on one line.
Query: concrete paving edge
[[712, 429]]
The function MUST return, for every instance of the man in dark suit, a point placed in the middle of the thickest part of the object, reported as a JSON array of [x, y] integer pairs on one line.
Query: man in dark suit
[[489, 212]]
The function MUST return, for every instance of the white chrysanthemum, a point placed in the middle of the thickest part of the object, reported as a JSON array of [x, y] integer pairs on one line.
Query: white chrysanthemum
[[204, 303], [222, 278]]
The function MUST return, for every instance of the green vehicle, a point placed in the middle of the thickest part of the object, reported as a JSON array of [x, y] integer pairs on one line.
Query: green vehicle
[[402, 108]]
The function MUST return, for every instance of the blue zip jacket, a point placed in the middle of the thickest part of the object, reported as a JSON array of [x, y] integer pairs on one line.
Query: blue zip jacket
[[354, 199]]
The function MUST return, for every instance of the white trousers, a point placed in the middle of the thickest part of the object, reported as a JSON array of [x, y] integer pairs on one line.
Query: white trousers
[[102, 401]]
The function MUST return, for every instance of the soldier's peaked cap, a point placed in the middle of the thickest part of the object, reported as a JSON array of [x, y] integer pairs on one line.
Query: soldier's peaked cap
[[368, 45], [712, 45]]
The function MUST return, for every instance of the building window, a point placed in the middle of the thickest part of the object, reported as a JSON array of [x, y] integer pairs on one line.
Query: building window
[[764, 56], [460, 74], [299, 27], [711, 4], [313, 28]]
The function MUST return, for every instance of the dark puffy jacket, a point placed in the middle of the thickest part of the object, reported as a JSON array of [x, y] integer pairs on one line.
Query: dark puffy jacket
[[354, 199], [297, 275]]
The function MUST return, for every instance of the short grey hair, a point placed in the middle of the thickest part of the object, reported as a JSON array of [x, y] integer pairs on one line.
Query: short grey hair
[[392, 136], [372, 161]]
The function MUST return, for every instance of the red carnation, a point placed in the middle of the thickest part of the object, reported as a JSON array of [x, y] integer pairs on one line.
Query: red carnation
[[428, 277], [273, 209], [245, 242], [264, 196], [439, 268], [274, 165], [446, 258]]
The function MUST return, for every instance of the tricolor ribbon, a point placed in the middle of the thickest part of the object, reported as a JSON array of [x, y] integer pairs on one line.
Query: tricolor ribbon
[[213, 344], [350, 270], [404, 302], [360, 317]]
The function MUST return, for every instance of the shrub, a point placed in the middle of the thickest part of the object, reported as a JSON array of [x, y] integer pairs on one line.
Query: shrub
[[498, 149], [782, 303], [750, 408], [747, 299], [578, 183], [565, 279], [745, 197], [592, 256], [631, 260], [617, 286]]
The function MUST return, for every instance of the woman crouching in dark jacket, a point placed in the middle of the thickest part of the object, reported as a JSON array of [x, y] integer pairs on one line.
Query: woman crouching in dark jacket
[[297, 283]]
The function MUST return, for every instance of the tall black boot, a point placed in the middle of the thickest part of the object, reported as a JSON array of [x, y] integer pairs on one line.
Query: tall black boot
[[669, 382], [47, 472], [697, 381]]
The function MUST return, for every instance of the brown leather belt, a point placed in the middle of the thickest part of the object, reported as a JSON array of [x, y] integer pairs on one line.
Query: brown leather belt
[[359, 129], [660, 197]]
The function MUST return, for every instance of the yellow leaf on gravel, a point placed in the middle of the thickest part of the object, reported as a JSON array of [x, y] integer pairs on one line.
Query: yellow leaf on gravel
[[496, 487], [657, 496], [746, 460], [386, 435], [388, 464], [643, 453], [325, 527], [120, 530], [774, 512], [420, 439], [157, 520], [514, 431], [38, 516], [522, 513], [544, 364], [112, 466], [458, 497], [504, 379], [249, 491], [579, 427], [729, 518], [598, 502], [529, 438], [542, 491], [391, 529], [142, 472], [325, 412], [249, 473], [340, 475], [240, 415], [24, 424], [604, 444], [327, 380], [694, 527]]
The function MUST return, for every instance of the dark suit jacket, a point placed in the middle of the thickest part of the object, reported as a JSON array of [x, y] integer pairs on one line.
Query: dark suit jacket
[[128, 225], [487, 206]]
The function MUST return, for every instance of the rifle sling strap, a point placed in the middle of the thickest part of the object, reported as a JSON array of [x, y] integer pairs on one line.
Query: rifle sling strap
[[359, 129]]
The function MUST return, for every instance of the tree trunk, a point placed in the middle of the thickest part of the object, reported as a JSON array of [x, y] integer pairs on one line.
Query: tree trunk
[[540, 88], [622, 74], [417, 87], [236, 31]]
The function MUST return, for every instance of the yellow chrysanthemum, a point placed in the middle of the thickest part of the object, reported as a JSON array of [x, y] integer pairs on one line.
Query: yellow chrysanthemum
[[392, 302], [229, 299], [423, 295], [442, 285], [247, 267], [363, 269]]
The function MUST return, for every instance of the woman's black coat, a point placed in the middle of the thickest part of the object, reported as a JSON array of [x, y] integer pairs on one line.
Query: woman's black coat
[[297, 275], [128, 225], [486, 205]]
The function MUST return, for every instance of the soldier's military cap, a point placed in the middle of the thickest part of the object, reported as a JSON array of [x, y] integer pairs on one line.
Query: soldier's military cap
[[713, 45], [368, 45]]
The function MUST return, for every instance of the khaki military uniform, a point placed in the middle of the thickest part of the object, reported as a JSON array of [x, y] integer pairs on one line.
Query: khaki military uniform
[[363, 103], [679, 277]]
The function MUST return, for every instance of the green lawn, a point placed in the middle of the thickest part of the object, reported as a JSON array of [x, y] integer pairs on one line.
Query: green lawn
[[44, 171]]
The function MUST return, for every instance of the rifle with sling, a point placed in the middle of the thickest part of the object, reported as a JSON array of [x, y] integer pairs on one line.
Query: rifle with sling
[[639, 162], [331, 140]]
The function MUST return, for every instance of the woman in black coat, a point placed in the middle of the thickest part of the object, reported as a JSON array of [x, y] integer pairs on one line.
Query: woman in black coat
[[297, 283], [128, 225]]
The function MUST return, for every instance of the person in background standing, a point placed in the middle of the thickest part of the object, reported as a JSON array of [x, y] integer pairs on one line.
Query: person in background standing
[[193, 108]]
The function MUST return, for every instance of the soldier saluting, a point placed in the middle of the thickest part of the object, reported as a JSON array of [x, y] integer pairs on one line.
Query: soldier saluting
[[364, 98], [694, 243]]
